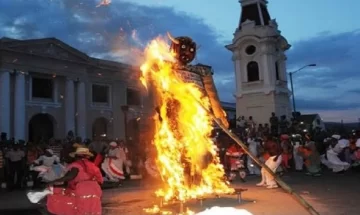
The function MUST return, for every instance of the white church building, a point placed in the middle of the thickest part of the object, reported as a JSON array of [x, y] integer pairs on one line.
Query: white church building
[[260, 64]]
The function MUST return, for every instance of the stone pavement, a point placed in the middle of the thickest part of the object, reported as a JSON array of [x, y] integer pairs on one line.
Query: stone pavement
[[329, 194]]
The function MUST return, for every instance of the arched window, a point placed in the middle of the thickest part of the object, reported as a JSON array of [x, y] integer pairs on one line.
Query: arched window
[[277, 71], [253, 71]]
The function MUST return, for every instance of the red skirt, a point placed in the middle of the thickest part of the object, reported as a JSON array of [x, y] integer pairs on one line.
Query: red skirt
[[84, 200]]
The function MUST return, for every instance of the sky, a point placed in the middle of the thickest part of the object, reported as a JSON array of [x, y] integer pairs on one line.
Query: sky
[[324, 32]]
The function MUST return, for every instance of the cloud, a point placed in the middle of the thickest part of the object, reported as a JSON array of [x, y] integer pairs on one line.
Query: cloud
[[333, 83], [120, 31], [108, 31]]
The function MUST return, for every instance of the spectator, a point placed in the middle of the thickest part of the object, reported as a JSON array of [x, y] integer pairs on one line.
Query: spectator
[[15, 157], [274, 124], [284, 125]]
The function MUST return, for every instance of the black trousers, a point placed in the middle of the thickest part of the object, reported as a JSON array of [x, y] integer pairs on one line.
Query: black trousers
[[15, 168]]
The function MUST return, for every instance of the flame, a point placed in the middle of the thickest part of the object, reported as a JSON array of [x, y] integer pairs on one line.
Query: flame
[[182, 133]]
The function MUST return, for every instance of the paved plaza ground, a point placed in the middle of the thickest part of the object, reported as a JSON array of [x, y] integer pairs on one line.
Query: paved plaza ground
[[329, 194]]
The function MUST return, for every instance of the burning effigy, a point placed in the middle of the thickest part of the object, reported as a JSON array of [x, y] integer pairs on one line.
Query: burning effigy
[[186, 156]]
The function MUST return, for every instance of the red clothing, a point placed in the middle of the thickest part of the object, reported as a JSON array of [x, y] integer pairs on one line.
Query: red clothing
[[98, 159], [286, 153], [233, 153], [83, 195], [272, 148]]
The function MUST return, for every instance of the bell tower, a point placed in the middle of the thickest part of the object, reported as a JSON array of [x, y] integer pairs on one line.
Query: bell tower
[[260, 64]]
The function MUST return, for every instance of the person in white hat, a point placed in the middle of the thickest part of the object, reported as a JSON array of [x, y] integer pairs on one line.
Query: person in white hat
[[82, 194]]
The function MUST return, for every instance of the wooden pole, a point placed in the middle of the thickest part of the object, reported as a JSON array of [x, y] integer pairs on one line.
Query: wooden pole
[[282, 184]]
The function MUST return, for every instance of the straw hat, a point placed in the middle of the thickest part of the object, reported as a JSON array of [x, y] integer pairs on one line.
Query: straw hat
[[81, 151]]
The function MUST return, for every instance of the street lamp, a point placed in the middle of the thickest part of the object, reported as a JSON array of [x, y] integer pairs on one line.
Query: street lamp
[[291, 83]]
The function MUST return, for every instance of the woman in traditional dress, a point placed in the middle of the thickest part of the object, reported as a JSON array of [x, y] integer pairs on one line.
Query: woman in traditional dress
[[82, 196], [113, 165], [286, 151], [298, 160], [273, 150], [254, 146], [331, 160], [311, 157], [49, 166]]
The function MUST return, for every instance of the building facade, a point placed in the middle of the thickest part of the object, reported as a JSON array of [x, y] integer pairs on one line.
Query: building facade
[[260, 64], [48, 88]]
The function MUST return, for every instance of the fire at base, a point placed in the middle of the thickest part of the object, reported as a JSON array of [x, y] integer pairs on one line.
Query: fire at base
[[186, 155]]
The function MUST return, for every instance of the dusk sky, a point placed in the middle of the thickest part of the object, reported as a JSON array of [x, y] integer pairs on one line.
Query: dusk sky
[[324, 32]]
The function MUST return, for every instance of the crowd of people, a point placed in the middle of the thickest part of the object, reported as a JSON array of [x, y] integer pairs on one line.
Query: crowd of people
[[80, 167], [285, 146], [24, 165]]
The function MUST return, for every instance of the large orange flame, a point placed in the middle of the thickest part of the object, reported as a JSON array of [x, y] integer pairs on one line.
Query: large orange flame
[[186, 155]]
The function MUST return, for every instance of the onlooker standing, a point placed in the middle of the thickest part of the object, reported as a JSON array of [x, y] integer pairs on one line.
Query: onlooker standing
[[15, 157], [284, 125], [241, 124], [274, 124], [266, 129], [2, 165]]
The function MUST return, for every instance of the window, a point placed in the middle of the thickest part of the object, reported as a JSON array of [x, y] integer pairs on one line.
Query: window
[[100, 93], [133, 97], [253, 71], [277, 70], [250, 50], [42, 88]]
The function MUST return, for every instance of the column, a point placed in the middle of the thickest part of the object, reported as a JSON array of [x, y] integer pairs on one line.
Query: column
[[19, 117], [266, 72], [69, 106], [238, 74], [81, 110], [5, 102]]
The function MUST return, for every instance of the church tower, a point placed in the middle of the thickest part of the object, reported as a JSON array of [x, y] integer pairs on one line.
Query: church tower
[[260, 64]]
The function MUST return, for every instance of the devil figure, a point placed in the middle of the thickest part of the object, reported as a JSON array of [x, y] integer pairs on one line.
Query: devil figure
[[184, 48]]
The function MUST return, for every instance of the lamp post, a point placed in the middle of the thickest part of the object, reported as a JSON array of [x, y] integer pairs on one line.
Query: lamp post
[[292, 86]]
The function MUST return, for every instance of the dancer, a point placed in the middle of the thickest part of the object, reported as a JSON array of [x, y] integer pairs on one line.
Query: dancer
[[287, 151], [273, 162], [49, 166], [311, 157], [299, 161], [254, 146], [233, 154], [114, 163], [332, 161], [82, 196]]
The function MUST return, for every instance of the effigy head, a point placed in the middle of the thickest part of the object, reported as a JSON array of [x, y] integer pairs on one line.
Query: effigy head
[[184, 47]]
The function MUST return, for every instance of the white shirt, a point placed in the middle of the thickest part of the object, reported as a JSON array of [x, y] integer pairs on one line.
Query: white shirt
[[241, 123], [15, 156], [47, 161]]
